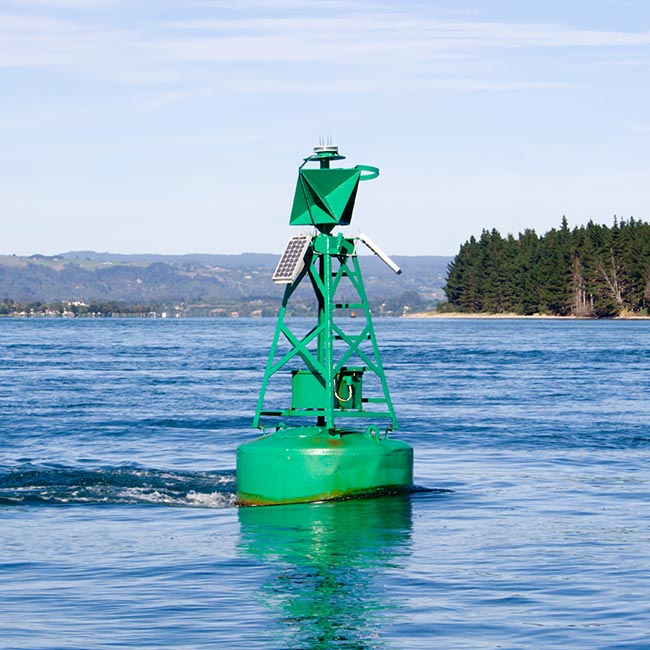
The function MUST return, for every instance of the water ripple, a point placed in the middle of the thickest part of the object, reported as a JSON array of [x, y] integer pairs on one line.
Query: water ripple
[[29, 484]]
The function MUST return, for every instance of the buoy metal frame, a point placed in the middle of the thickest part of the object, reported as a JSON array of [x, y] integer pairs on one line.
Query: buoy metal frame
[[332, 457]]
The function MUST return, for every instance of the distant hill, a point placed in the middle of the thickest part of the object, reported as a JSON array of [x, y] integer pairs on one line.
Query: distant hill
[[230, 280], [243, 260], [427, 265]]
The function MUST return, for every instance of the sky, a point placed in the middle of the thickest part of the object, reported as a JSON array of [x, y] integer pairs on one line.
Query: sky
[[169, 126]]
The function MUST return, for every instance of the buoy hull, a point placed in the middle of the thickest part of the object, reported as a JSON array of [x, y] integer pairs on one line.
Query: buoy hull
[[303, 464]]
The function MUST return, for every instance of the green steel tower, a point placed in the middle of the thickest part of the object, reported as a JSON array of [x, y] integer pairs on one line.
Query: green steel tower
[[327, 378]]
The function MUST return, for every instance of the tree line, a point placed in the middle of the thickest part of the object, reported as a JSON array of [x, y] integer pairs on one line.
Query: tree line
[[588, 271]]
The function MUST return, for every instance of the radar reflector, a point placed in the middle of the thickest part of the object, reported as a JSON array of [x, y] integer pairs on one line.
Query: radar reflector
[[292, 260]]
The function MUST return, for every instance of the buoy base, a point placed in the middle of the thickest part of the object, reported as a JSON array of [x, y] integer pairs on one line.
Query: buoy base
[[303, 464]]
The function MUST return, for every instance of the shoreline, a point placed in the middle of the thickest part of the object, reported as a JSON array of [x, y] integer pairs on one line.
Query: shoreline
[[511, 316]]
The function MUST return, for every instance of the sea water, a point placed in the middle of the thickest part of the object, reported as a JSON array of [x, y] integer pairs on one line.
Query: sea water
[[117, 482]]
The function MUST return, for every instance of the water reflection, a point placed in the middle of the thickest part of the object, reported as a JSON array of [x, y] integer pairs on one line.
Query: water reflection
[[329, 561]]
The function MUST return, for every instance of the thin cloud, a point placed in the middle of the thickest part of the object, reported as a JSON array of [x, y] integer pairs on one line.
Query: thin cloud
[[394, 28], [362, 48], [63, 4]]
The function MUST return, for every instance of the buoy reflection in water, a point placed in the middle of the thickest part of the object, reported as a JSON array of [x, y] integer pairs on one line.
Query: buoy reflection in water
[[329, 562]]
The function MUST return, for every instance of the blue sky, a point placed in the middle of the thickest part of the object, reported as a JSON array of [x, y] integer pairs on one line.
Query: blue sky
[[175, 127]]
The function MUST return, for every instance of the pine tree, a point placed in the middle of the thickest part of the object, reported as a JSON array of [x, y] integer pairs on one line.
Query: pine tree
[[592, 270]]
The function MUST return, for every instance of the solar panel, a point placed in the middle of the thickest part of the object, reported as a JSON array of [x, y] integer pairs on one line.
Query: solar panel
[[292, 260]]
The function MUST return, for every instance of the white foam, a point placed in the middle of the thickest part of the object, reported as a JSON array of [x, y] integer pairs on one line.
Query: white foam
[[191, 499], [211, 500]]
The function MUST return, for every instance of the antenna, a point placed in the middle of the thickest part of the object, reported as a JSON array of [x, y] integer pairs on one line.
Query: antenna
[[379, 253]]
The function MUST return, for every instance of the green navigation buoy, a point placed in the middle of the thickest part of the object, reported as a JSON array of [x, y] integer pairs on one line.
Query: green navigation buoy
[[330, 373]]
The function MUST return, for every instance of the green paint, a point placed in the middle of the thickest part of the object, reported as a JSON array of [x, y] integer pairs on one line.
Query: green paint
[[326, 349], [301, 464], [325, 197], [328, 378]]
